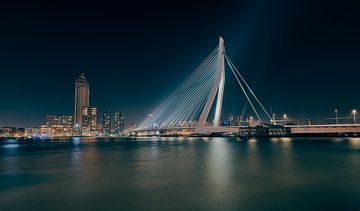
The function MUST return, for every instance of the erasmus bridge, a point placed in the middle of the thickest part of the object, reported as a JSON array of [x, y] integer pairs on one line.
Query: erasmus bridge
[[189, 106]]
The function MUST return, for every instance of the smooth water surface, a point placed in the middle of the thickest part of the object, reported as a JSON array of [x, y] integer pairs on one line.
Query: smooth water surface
[[182, 174]]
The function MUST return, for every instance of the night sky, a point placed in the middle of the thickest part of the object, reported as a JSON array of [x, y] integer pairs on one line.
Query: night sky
[[301, 57]]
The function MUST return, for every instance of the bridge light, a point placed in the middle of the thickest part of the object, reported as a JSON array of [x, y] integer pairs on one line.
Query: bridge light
[[285, 118], [251, 120], [273, 119], [336, 116], [354, 113]]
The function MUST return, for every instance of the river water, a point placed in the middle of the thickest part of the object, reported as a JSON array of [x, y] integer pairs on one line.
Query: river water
[[182, 174]]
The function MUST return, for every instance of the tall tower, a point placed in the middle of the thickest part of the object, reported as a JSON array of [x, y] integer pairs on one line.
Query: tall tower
[[105, 123], [217, 89], [81, 99], [221, 75], [89, 122], [119, 122]]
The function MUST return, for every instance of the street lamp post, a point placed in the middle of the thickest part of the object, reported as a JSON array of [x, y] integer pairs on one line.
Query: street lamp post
[[273, 117], [354, 114], [285, 117], [336, 116]]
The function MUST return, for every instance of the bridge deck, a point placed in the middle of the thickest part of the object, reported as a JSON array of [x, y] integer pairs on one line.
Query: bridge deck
[[325, 129], [295, 129]]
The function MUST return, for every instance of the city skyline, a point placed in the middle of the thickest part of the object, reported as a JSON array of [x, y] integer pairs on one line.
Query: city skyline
[[300, 61], [84, 122]]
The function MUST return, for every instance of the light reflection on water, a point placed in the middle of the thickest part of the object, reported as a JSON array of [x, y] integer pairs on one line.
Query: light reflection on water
[[76, 140], [355, 142], [10, 146], [182, 173], [219, 171]]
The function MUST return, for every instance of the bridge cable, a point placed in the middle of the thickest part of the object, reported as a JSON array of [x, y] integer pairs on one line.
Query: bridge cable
[[247, 97], [191, 89], [194, 97], [242, 78], [186, 95]]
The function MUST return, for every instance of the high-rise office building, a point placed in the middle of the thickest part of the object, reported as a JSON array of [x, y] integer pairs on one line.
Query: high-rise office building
[[89, 121], [81, 99], [105, 123], [119, 122]]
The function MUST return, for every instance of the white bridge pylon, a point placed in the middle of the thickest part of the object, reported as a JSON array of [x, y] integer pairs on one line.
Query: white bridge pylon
[[218, 89], [189, 106]]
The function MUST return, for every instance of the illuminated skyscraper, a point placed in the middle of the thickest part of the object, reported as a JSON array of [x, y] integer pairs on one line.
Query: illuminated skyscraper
[[119, 122], [81, 99], [89, 121], [105, 123]]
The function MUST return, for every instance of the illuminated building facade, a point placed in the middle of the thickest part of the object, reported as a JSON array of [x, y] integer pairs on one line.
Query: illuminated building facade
[[12, 132], [57, 126], [53, 120], [119, 122], [89, 123], [105, 123], [81, 99], [32, 132], [67, 120]]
